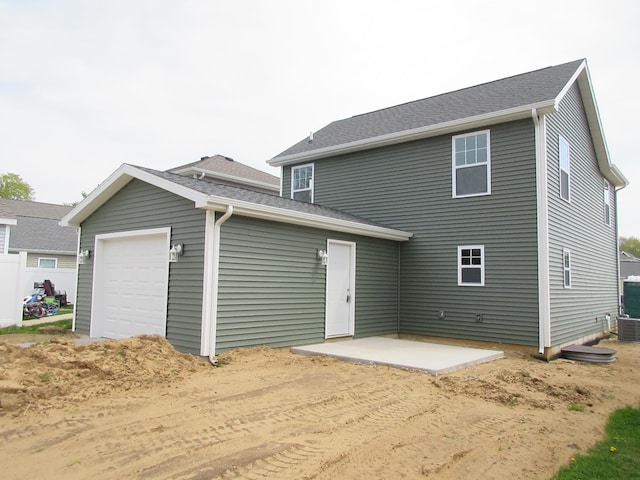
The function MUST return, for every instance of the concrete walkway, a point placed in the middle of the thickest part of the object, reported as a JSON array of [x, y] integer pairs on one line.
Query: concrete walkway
[[432, 358], [47, 319]]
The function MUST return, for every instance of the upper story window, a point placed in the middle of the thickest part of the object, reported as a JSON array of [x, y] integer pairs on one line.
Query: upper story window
[[565, 169], [471, 265], [566, 267], [302, 183], [471, 164], [47, 262], [607, 204]]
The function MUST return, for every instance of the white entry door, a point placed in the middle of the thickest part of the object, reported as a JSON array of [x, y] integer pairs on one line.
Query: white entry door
[[131, 274], [341, 273]]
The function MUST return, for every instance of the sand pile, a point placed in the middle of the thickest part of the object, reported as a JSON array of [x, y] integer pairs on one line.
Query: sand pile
[[42, 373]]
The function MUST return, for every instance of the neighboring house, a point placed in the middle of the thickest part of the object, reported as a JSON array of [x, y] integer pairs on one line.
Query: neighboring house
[[7, 219], [36, 231], [487, 213], [51, 249], [510, 193], [225, 170]]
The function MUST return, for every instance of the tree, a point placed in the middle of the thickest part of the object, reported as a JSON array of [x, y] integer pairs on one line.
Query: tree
[[630, 245], [73, 204], [13, 187]]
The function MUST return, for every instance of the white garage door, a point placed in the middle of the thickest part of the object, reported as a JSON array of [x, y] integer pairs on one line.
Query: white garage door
[[131, 275]]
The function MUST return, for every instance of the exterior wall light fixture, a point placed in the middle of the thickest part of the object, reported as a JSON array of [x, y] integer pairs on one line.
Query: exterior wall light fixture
[[83, 255], [175, 251], [323, 256]]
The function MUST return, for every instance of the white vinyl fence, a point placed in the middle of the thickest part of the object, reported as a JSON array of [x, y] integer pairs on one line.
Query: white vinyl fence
[[12, 277]]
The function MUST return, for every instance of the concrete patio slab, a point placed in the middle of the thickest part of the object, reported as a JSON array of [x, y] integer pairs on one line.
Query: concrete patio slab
[[432, 358]]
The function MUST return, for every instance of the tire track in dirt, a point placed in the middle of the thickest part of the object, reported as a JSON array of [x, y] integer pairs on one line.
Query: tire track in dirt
[[376, 416]]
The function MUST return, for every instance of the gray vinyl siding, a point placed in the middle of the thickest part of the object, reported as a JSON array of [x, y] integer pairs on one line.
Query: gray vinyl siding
[[272, 285], [142, 206], [408, 186], [580, 227]]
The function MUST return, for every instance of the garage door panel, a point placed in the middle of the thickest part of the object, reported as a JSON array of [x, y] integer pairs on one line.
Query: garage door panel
[[131, 283]]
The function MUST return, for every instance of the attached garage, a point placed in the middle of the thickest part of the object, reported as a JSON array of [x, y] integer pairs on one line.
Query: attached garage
[[131, 278], [250, 272]]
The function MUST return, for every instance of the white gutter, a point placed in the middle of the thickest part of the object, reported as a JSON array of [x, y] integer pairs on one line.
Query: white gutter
[[44, 252], [544, 283], [515, 113], [212, 294]]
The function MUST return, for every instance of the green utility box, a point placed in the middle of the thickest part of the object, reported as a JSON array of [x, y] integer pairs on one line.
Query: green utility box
[[632, 298]]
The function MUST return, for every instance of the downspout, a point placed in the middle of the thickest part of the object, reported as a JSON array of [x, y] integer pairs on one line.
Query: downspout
[[544, 287], [75, 300], [615, 195], [398, 292], [214, 294]]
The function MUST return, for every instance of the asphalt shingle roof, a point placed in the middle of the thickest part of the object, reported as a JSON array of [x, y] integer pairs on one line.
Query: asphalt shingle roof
[[33, 234], [512, 92], [37, 228], [228, 166], [246, 195], [35, 209]]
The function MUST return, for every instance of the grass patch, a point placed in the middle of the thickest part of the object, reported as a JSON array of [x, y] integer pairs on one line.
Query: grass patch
[[576, 407], [63, 324], [617, 457]]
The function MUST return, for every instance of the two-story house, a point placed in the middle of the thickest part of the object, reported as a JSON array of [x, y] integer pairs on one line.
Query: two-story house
[[488, 213], [509, 191]]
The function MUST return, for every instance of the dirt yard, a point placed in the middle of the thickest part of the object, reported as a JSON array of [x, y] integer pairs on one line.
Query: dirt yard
[[138, 409]]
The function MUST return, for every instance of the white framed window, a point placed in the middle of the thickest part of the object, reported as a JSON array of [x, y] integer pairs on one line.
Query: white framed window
[[607, 203], [471, 265], [47, 262], [471, 170], [564, 155], [566, 267], [302, 183]]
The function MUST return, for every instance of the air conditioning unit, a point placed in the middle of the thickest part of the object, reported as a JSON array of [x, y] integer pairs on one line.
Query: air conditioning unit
[[628, 329]]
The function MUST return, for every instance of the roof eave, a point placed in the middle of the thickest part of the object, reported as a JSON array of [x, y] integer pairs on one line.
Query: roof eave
[[516, 113], [608, 169], [266, 212], [126, 173], [42, 251], [114, 183]]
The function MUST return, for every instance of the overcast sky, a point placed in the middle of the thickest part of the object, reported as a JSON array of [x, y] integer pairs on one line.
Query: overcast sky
[[88, 85]]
